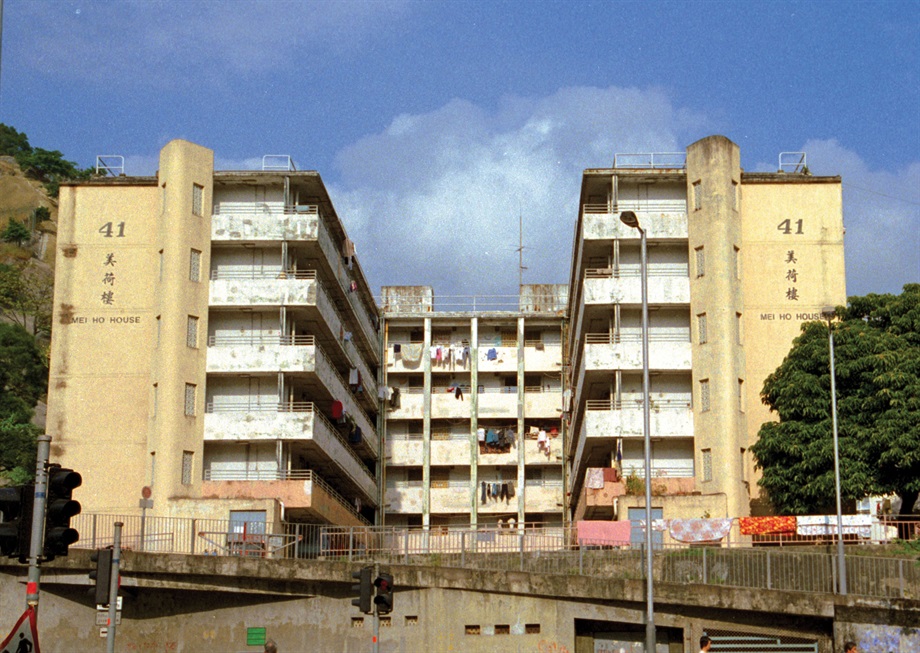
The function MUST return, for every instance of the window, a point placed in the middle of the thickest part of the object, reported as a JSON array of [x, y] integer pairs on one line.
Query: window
[[412, 620], [704, 395], [738, 325], [697, 196], [187, 467], [741, 395], [472, 629], [190, 395], [701, 327], [161, 264], [700, 262], [502, 629], [191, 332], [357, 622], [197, 200], [194, 266], [707, 465], [156, 398], [737, 263], [531, 629], [736, 195], [159, 322]]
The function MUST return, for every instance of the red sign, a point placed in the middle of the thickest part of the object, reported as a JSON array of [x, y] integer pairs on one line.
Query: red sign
[[24, 636]]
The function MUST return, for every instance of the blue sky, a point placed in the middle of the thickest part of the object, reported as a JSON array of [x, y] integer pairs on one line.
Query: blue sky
[[435, 124]]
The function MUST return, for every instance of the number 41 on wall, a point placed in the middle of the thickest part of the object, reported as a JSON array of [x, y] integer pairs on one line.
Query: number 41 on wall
[[785, 226], [119, 231]]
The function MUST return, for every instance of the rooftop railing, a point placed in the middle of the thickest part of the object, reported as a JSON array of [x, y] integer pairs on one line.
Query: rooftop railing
[[651, 160]]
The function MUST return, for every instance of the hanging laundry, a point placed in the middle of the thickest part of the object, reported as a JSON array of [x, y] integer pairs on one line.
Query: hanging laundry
[[348, 247], [353, 286], [337, 410], [503, 493], [433, 352], [354, 378], [397, 348], [412, 353], [347, 336], [511, 490], [458, 355], [481, 435], [356, 435], [483, 492], [458, 393], [394, 398], [382, 392], [492, 354]]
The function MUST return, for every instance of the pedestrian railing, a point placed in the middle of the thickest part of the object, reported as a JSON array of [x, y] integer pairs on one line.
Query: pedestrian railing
[[522, 548]]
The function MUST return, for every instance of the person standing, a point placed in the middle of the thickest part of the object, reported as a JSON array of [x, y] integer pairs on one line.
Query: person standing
[[850, 647], [270, 646], [705, 644]]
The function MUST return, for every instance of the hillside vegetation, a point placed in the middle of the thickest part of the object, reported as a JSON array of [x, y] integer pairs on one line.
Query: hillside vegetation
[[29, 182]]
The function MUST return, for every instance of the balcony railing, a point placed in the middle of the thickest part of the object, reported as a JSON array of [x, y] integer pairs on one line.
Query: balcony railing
[[677, 403], [658, 471], [282, 475], [263, 273], [258, 340], [286, 407], [263, 208], [631, 336], [677, 270], [639, 206]]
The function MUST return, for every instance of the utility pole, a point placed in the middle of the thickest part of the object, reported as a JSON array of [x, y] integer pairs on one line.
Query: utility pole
[[113, 590], [38, 518]]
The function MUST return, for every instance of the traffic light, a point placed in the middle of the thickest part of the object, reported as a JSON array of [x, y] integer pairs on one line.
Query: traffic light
[[102, 574], [363, 602], [384, 598], [16, 521], [59, 510]]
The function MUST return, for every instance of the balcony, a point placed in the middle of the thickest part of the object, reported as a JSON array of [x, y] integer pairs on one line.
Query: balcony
[[257, 353], [498, 402], [455, 451], [231, 419], [549, 454], [497, 359], [404, 450], [606, 351], [233, 222], [662, 220], [542, 403], [450, 496], [411, 404], [405, 497], [543, 496], [669, 417], [666, 285], [539, 357], [304, 493], [445, 405]]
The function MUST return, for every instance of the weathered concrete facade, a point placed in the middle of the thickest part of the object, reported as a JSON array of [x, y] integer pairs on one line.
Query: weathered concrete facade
[[736, 262], [208, 328], [461, 377]]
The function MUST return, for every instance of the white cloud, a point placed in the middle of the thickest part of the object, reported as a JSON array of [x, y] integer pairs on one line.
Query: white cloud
[[881, 213], [434, 198], [171, 43]]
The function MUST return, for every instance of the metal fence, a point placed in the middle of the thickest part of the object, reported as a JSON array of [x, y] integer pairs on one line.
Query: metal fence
[[537, 550]]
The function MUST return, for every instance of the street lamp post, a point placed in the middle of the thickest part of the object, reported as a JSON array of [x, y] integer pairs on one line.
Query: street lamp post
[[828, 313], [630, 220]]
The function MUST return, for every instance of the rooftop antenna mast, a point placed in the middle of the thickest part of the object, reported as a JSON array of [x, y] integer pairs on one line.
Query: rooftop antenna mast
[[520, 249]]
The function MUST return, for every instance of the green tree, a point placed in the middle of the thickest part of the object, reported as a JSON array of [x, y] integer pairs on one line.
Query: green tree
[[26, 295], [877, 360], [23, 381], [12, 142], [15, 232]]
